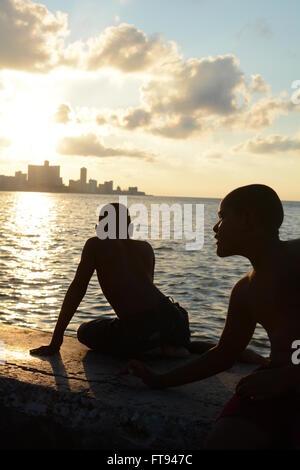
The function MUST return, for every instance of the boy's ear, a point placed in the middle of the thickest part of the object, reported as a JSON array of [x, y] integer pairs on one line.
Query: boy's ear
[[249, 221], [245, 221]]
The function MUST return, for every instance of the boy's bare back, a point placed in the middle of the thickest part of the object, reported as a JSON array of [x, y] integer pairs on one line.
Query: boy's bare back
[[125, 270]]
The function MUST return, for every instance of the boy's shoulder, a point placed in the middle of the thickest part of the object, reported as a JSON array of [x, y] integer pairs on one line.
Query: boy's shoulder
[[144, 245], [90, 242], [293, 245], [241, 288], [95, 241], [292, 249]]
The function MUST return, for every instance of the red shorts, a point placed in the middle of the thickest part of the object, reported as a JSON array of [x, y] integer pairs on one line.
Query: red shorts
[[279, 417]]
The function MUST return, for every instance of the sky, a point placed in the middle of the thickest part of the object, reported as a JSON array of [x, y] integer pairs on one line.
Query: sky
[[181, 98]]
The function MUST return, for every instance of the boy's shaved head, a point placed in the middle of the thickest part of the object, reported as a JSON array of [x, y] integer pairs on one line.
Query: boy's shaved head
[[120, 210], [260, 200], [116, 220]]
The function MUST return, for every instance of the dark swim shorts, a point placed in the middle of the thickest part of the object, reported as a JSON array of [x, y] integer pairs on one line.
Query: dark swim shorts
[[278, 417], [166, 324]]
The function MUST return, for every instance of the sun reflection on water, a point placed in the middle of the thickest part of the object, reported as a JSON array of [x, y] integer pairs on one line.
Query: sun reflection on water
[[30, 232]]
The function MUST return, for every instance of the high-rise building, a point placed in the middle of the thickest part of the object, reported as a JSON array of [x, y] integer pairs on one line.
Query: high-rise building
[[92, 186], [133, 190], [83, 175], [44, 177], [108, 187]]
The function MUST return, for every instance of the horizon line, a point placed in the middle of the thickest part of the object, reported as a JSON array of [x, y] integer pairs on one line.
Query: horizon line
[[131, 195]]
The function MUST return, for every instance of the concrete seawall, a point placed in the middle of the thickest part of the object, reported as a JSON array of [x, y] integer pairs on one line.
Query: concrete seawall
[[77, 400]]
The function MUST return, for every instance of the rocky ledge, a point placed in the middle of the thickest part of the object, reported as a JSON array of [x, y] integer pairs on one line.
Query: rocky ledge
[[77, 400]]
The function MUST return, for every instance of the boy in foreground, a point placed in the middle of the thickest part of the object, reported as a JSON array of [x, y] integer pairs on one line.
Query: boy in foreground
[[266, 401]]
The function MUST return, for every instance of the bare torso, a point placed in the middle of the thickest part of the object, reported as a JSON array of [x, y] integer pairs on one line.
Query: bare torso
[[273, 299], [125, 270]]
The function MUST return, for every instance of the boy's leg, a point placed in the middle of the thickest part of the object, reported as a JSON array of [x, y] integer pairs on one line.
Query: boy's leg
[[199, 346], [102, 334], [175, 331], [248, 356]]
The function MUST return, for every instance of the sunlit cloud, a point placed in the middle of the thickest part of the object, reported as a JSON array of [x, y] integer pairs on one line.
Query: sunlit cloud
[[271, 145], [62, 115], [91, 145], [260, 114], [258, 85], [205, 94], [101, 120], [31, 37], [128, 49]]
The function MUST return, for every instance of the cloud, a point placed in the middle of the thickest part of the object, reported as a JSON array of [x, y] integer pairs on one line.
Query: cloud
[[128, 49], [263, 113], [62, 115], [201, 85], [213, 155], [258, 85], [179, 128], [270, 145], [89, 145], [135, 118], [203, 94], [260, 114], [31, 37], [101, 120], [184, 102], [179, 98]]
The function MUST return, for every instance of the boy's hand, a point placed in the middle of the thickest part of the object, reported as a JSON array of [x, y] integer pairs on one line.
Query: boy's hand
[[45, 350], [138, 369]]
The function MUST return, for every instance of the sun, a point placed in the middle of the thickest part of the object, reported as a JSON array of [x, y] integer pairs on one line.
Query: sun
[[27, 121], [30, 129]]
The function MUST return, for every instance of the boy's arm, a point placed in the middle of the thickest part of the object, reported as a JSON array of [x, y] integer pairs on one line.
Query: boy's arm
[[73, 297], [238, 330]]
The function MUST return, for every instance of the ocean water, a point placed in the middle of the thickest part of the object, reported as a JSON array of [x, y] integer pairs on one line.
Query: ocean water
[[42, 235]]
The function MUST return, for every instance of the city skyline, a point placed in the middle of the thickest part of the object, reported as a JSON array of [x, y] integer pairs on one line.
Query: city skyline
[[47, 178], [186, 98]]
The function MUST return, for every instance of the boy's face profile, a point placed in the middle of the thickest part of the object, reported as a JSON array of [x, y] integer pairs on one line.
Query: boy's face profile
[[229, 230], [249, 216]]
